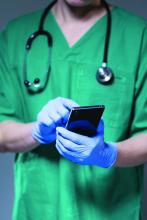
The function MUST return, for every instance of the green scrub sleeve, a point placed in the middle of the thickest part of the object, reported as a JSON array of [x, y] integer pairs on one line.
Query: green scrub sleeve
[[10, 108], [139, 123]]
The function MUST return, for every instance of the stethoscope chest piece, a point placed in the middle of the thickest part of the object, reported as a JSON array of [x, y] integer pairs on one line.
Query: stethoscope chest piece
[[104, 75]]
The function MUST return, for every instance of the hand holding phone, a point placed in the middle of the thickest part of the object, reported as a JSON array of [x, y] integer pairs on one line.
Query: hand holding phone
[[84, 150]]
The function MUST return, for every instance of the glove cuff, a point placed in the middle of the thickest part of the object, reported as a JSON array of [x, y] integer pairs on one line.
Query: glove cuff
[[113, 151], [36, 134], [108, 155]]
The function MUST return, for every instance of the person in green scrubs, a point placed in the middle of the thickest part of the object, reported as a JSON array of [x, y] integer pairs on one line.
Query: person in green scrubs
[[49, 183]]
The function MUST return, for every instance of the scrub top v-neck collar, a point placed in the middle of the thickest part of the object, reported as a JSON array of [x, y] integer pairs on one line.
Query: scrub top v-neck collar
[[99, 25]]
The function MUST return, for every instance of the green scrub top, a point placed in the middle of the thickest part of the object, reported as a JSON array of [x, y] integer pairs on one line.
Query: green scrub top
[[48, 186]]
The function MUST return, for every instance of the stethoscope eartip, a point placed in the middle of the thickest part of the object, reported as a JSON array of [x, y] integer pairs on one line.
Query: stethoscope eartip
[[27, 83], [36, 82]]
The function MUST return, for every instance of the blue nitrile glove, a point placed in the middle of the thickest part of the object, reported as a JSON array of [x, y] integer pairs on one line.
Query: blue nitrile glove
[[54, 113], [86, 150]]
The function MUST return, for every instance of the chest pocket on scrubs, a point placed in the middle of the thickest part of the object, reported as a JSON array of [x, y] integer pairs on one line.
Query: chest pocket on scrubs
[[115, 97]]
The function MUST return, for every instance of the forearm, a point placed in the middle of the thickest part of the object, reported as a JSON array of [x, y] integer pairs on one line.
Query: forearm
[[16, 137], [132, 152]]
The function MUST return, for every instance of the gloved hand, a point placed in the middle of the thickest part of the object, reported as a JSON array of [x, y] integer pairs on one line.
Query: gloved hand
[[86, 150], [54, 113]]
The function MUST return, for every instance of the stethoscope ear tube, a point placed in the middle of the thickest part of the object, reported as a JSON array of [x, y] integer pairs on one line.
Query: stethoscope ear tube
[[35, 35], [104, 74], [37, 85]]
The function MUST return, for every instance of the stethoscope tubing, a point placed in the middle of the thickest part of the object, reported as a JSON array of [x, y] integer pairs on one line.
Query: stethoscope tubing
[[104, 74]]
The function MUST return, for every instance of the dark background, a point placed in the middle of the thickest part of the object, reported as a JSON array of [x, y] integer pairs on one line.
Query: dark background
[[9, 10]]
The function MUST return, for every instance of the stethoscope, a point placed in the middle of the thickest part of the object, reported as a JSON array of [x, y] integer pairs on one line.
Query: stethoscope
[[104, 74]]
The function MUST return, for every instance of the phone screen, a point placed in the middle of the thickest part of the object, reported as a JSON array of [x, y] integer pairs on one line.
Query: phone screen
[[84, 120]]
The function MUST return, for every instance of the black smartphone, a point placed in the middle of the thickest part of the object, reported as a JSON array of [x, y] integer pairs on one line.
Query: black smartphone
[[85, 119]]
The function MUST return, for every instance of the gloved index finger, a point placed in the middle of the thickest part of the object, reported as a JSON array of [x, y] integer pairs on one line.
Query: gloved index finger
[[74, 137], [68, 103]]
